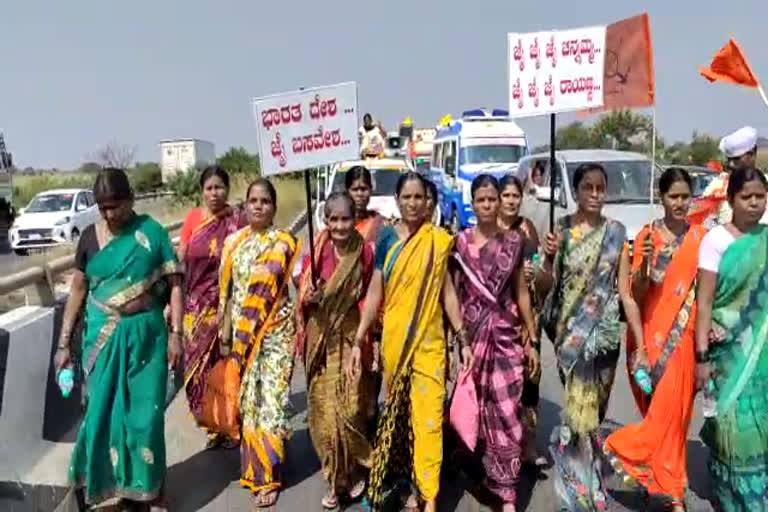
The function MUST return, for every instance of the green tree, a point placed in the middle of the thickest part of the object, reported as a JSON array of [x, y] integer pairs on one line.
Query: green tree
[[90, 168], [624, 130], [146, 177], [575, 136], [703, 148], [185, 186], [237, 161]]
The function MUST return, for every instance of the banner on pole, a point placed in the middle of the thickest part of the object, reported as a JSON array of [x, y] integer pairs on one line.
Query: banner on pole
[[555, 71], [308, 128]]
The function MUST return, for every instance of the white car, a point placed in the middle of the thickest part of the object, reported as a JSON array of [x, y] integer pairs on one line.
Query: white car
[[384, 172], [52, 218], [627, 198]]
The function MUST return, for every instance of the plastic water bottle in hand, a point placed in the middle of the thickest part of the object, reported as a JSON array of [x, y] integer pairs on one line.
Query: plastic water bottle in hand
[[66, 380], [643, 380], [709, 402]]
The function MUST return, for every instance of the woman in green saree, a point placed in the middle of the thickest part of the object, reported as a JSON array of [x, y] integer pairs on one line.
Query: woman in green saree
[[126, 273], [732, 361]]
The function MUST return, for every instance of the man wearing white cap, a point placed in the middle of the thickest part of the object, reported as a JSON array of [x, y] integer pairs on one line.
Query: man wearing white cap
[[740, 150]]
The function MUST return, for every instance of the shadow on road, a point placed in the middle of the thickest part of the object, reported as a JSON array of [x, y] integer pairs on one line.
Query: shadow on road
[[301, 460], [195, 482]]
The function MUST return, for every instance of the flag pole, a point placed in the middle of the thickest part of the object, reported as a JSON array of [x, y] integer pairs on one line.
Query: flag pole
[[762, 93], [653, 160]]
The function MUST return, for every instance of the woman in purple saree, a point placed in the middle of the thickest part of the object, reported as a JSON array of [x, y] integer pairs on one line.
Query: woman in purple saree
[[202, 239], [495, 305]]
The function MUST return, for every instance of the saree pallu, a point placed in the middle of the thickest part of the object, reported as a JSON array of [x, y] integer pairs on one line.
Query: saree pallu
[[256, 268], [653, 453], [337, 407], [583, 323], [201, 297], [120, 447], [737, 436], [409, 440], [486, 291]]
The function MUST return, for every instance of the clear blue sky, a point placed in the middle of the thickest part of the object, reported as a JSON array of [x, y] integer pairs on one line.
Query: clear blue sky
[[81, 73]]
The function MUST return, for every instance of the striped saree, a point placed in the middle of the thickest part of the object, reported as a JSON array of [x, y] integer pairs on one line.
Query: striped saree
[[255, 271]]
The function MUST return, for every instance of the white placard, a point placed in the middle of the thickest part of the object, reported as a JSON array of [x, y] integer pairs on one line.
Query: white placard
[[308, 128], [555, 71]]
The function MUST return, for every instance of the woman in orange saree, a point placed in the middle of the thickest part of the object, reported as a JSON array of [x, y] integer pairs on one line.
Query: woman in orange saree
[[664, 269], [202, 240]]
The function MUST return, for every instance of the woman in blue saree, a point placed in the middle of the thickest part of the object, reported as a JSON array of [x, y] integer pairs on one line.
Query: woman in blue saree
[[126, 273], [731, 357]]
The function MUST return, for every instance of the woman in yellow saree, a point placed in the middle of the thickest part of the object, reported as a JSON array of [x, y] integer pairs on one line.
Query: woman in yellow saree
[[410, 278], [256, 265]]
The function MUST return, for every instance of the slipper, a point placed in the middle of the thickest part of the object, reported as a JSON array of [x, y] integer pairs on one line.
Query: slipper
[[265, 500], [330, 502], [357, 490]]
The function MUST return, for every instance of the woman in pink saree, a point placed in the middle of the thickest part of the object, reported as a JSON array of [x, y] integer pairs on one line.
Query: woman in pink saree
[[496, 308], [202, 239]]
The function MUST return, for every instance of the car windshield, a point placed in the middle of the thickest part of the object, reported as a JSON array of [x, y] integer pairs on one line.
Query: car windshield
[[50, 203], [384, 180], [629, 181], [490, 154]]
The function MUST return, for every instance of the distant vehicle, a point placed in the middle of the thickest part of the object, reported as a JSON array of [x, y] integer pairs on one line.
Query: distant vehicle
[[7, 212], [52, 218], [627, 198], [702, 176], [480, 142], [384, 172]]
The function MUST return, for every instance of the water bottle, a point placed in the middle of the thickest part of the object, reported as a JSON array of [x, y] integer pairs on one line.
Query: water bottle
[[66, 380], [709, 402], [643, 380]]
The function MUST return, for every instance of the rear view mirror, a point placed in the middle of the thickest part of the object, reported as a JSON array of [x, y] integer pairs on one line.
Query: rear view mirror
[[543, 195]]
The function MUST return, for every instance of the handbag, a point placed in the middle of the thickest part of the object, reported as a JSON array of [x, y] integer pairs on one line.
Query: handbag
[[221, 399], [465, 411]]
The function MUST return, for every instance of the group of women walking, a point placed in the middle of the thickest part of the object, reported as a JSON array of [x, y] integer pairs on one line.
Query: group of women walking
[[402, 306]]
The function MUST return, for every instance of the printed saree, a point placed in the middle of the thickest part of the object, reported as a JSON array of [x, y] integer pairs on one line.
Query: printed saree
[[337, 407], [583, 323], [120, 448], [486, 291], [737, 436], [202, 260], [653, 453], [409, 440], [255, 270]]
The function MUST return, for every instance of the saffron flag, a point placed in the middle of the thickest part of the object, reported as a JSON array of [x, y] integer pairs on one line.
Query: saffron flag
[[730, 65], [628, 78]]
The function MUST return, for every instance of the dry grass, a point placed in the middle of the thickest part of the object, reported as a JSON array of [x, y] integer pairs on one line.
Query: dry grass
[[291, 200], [762, 160]]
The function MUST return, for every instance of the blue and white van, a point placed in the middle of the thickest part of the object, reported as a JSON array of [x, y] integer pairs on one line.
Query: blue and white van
[[481, 142]]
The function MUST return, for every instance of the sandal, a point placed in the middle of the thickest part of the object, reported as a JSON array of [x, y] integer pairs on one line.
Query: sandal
[[329, 501], [357, 490], [675, 505], [412, 504], [264, 500]]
